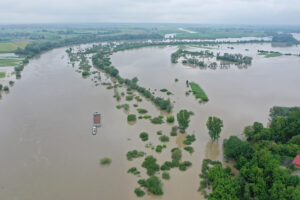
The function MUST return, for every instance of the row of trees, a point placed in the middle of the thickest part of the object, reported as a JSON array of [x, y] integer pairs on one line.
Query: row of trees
[[258, 159]]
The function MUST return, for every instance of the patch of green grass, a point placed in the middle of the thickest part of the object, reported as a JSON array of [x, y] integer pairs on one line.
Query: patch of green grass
[[10, 62], [8, 47], [189, 149], [2, 74], [198, 91], [270, 54]]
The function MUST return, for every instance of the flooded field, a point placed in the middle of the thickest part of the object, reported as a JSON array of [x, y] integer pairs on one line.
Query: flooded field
[[47, 150]]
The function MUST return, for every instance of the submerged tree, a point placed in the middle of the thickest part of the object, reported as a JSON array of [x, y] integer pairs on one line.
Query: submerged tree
[[214, 125], [183, 119]]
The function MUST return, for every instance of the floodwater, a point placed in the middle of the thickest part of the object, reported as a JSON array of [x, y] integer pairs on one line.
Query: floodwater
[[47, 150]]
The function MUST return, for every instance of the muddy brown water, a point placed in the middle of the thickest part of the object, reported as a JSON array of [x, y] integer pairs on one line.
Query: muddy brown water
[[47, 150]]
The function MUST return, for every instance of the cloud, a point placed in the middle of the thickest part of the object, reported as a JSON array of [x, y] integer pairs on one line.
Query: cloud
[[180, 11]]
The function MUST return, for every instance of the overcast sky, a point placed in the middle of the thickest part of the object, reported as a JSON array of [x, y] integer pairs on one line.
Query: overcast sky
[[174, 11]]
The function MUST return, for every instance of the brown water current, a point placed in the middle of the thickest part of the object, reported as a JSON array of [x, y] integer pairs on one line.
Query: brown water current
[[47, 150]]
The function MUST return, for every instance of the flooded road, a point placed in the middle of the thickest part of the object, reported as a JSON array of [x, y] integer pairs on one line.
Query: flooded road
[[47, 150]]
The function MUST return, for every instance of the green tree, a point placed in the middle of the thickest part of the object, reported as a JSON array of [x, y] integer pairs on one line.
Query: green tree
[[214, 125], [183, 119]]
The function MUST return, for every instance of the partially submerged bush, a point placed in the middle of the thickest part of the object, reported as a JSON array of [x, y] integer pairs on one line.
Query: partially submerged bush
[[157, 120], [189, 149], [131, 117], [139, 192], [134, 154], [158, 148], [85, 73], [170, 119], [153, 185], [164, 138], [144, 136], [142, 110], [189, 139], [166, 175], [105, 161], [151, 166], [134, 171]]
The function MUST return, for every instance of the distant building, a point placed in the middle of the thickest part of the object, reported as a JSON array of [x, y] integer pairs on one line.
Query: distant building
[[170, 36], [296, 161]]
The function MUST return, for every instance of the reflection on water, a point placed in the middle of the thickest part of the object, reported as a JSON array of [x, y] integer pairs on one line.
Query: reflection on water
[[212, 150]]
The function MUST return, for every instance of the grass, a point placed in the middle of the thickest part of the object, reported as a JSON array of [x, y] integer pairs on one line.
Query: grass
[[268, 54], [10, 62], [2, 74], [198, 92], [105, 161], [8, 47]]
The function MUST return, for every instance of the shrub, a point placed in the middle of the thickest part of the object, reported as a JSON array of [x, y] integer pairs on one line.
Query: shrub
[[189, 149], [85, 73], [131, 117], [139, 192], [176, 154], [163, 90], [144, 136], [164, 138], [129, 98], [11, 83], [189, 139], [105, 161], [157, 120], [6, 88], [1, 86], [159, 132], [147, 116], [166, 175], [135, 105], [151, 166], [134, 154], [153, 185], [142, 110], [134, 171], [158, 148], [166, 166], [170, 119]]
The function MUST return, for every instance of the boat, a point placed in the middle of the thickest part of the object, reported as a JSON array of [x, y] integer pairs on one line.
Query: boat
[[94, 130]]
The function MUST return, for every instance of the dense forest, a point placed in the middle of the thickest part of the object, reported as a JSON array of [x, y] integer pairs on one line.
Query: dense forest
[[259, 160]]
